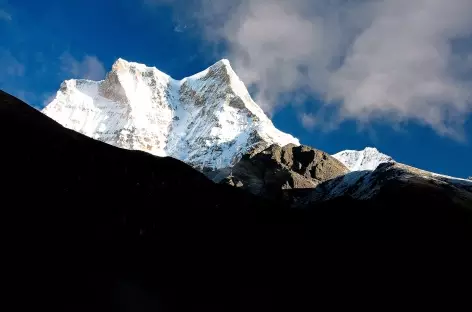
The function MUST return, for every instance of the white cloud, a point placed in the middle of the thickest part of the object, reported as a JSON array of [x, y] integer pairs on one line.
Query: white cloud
[[375, 59], [10, 65], [90, 67], [48, 98], [308, 120], [5, 16]]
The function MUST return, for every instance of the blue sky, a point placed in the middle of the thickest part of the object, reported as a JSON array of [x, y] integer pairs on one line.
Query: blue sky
[[319, 85]]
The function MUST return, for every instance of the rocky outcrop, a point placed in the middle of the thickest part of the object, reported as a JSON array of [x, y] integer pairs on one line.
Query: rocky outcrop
[[273, 171], [303, 176]]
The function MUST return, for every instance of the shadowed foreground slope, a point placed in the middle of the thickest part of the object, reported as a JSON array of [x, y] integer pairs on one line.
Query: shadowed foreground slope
[[94, 227], [93, 215]]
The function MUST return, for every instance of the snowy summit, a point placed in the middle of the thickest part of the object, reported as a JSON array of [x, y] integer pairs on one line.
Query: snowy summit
[[207, 120], [368, 159]]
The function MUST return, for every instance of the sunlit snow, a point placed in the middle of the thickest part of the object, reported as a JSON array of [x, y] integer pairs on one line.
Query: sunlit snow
[[367, 159], [207, 120]]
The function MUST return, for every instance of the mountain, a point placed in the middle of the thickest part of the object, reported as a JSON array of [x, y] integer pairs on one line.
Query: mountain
[[271, 173], [210, 122], [92, 227], [301, 175], [370, 169], [207, 120], [367, 159], [367, 184]]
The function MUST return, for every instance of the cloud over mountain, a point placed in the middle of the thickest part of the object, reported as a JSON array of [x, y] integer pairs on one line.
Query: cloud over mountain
[[90, 67], [393, 60]]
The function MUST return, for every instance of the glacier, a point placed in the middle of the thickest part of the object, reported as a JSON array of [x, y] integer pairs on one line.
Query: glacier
[[207, 120]]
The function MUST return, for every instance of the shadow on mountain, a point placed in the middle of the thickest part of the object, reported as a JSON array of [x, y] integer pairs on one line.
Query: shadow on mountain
[[94, 227], [416, 207], [89, 213]]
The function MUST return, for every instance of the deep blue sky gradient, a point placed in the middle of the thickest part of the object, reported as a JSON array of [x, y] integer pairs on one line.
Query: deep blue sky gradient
[[39, 32]]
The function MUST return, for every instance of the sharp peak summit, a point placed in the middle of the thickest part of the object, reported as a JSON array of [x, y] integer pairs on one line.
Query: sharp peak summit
[[366, 149], [222, 61], [208, 120], [367, 159], [122, 63]]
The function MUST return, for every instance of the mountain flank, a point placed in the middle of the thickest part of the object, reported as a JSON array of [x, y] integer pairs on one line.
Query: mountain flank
[[90, 226], [207, 120]]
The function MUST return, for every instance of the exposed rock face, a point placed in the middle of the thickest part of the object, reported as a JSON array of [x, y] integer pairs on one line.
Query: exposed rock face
[[276, 168], [303, 176]]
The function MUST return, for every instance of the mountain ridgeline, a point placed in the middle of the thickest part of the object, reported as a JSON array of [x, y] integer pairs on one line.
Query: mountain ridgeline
[[142, 193], [95, 227], [207, 120], [210, 122]]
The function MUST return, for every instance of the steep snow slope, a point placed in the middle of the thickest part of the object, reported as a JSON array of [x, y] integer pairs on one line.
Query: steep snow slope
[[207, 120], [367, 159]]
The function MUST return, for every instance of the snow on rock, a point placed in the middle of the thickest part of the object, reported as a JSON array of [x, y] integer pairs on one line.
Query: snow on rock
[[368, 159], [207, 120], [452, 180], [366, 184]]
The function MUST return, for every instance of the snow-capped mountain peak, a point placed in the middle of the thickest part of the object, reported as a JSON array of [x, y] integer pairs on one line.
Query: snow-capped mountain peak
[[208, 120], [367, 159]]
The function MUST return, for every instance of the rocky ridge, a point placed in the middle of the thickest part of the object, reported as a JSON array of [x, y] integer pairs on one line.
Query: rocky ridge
[[366, 185], [271, 171], [122, 230], [210, 122]]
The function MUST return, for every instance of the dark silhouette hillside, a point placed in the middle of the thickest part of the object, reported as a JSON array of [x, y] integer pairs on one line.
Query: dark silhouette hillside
[[93, 227]]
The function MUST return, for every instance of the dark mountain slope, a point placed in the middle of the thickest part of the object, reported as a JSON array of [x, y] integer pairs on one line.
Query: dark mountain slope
[[89, 214], [94, 227], [404, 201]]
